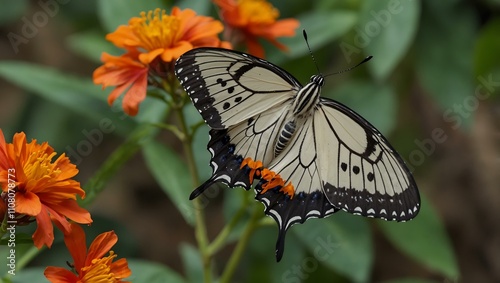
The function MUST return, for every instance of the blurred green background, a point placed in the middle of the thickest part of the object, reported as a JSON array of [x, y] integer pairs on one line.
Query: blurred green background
[[432, 88]]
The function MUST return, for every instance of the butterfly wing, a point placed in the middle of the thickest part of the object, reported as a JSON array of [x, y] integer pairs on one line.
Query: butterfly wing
[[361, 172], [298, 164], [228, 87], [243, 99], [252, 138], [337, 160]]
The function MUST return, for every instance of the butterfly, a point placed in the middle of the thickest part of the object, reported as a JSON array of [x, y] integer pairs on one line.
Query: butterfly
[[312, 156]]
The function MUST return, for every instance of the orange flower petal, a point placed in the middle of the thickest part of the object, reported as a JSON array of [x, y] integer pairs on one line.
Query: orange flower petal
[[135, 95], [71, 210], [100, 246], [147, 58], [77, 245], [28, 203], [120, 268], [249, 20], [59, 275], [176, 51], [44, 234]]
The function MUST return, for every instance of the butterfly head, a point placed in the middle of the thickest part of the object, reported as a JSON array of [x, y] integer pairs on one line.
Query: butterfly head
[[317, 80]]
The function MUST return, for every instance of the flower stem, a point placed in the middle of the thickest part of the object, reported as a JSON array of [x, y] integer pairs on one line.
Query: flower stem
[[240, 247], [200, 227], [221, 238], [27, 257]]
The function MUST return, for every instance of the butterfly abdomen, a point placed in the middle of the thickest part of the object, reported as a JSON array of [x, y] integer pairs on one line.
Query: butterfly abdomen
[[285, 135]]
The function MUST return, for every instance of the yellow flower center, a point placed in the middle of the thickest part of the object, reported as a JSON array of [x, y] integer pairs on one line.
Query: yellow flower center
[[99, 271], [155, 29], [39, 166], [258, 11]]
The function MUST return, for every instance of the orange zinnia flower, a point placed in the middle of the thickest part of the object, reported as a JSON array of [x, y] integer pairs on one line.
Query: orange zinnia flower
[[44, 189], [252, 19], [92, 265], [153, 42]]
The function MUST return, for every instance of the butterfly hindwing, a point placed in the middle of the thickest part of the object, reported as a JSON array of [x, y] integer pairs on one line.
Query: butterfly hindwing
[[297, 164], [229, 87]]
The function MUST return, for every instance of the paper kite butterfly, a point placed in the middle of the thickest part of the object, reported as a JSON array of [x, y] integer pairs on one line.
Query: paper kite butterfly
[[312, 156]]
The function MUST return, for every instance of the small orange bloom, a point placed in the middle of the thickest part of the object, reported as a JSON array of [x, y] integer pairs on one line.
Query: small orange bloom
[[252, 19], [153, 42], [43, 189], [91, 266]]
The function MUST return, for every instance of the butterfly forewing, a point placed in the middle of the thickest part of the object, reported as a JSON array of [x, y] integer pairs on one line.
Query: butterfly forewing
[[229, 87]]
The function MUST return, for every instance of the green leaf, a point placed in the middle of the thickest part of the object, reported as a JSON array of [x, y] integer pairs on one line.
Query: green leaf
[[486, 55], [114, 13], [424, 239], [32, 274], [172, 175], [260, 260], [78, 95], [386, 31], [363, 97], [152, 272], [341, 242], [115, 161], [12, 11], [444, 67], [201, 7], [193, 266], [323, 27], [91, 44]]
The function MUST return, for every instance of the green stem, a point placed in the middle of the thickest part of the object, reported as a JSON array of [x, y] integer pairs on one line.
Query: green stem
[[200, 227], [221, 238], [27, 257], [242, 244]]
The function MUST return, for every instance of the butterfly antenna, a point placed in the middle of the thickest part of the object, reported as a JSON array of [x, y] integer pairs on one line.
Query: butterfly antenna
[[304, 33], [368, 58]]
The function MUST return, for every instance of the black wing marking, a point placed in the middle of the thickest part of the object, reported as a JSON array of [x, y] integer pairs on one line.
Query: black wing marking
[[361, 172], [228, 87]]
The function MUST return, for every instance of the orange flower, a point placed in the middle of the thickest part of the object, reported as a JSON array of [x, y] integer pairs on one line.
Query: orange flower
[[43, 189], [153, 42], [92, 265], [252, 19], [128, 75]]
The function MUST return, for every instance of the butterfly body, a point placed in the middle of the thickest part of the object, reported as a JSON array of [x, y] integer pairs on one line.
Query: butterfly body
[[312, 156]]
